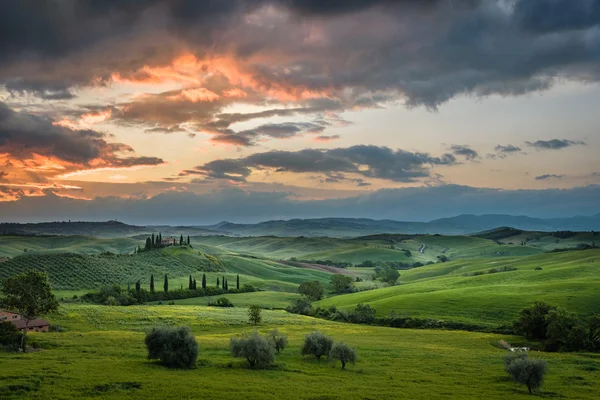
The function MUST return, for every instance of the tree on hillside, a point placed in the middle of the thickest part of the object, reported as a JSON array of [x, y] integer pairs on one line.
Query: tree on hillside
[[188, 240], [138, 286], [151, 283], [191, 283], [341, 283], [254, 314], [218, 282], [194, 286], [278, 340], [175, 347], [148, 244], [153, 241], [237, 282], [181, 240], [526, 371], [254, 348], [313, 290], [203, 281], [30, 295], [341, 351], [166, 284], [317, 344], [226, 285]]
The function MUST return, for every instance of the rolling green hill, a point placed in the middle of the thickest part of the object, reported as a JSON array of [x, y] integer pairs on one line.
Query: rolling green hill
[[450, 291], [11, 246], [377, 248], [89, 271]]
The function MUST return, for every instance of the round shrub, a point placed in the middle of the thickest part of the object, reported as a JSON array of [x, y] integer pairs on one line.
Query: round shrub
[[317, 344], [254, 348], [175, 347], [344, 353]]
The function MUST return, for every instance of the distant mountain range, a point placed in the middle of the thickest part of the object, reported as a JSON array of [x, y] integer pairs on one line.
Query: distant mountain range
[[459, 225], [333, 227]]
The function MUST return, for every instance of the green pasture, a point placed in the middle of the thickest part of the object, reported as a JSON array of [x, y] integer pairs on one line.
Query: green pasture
[[101, 355]]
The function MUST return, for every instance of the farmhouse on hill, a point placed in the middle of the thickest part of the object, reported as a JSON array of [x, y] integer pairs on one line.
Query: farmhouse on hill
[[36, 325]]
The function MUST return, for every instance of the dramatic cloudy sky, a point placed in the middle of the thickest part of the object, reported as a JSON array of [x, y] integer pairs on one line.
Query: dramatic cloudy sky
[[193, 111]]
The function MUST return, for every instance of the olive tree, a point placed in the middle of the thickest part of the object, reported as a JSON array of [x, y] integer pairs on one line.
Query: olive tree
[[278, 340], [254, 348], [317, 344], [526, 371], [30, 295], [175, 347], [344, 353]]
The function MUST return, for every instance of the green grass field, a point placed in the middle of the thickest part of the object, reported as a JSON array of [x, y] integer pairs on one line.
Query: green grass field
[[101, 354], [442, 291]]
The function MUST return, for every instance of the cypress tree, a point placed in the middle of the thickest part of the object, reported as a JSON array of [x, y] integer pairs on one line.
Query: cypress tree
[[223, 283], [226, 285], [166, 285], [237, 282], [218, 282], [188, 240], [153, 241], [151, 283], [203, 281], [181, 240], [148, 244], [191, 283], [194, 286], [138, 286]]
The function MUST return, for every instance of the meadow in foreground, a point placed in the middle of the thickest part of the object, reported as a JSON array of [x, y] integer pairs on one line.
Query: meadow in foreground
[[101, 354]]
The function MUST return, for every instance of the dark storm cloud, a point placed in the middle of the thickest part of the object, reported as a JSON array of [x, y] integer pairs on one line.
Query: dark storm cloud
[[464, 151], [554, 144], [368, 161], [557, 15], [507, 149], [23, 134], [394, 50], [285, 130], [548, 176]]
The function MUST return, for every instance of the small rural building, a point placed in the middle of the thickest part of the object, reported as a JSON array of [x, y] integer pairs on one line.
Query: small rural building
[[36, 325], [8, 316]]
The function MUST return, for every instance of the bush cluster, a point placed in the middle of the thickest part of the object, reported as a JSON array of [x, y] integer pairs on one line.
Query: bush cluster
[[10, 338], [175, 347], [319, 344], [558, 329], [258, 350]]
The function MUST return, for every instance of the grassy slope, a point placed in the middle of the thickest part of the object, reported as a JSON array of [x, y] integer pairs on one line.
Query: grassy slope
[[441, 291], [102, 355]]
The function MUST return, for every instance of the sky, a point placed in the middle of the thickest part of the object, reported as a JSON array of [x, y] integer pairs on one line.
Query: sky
[[193, 112]]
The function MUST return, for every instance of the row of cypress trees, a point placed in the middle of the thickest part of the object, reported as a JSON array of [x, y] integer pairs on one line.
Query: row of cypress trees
[[223, 283]]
